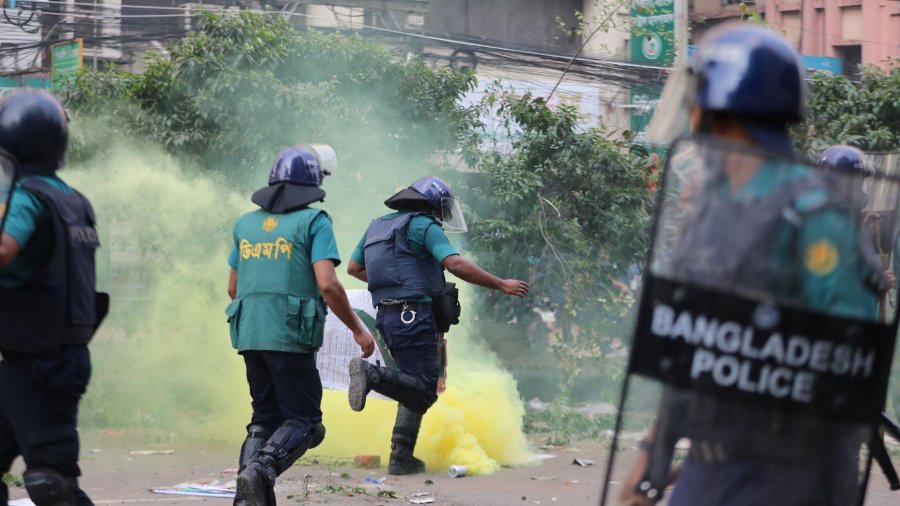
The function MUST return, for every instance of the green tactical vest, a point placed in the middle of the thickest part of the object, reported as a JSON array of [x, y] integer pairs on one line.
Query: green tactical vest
[[278, 305]]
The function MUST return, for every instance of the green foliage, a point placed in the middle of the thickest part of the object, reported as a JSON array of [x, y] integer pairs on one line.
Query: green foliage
[[336, 488], [244, 86], [566, 209], [13, 480], [561, 424], [865, 114]]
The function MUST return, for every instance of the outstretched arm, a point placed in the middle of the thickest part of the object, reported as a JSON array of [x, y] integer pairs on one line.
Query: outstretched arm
[[336, 298], [471, 273]]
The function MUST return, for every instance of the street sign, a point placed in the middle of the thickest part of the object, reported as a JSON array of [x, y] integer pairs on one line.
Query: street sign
[[66, 60], [652, 43], [653, 32]]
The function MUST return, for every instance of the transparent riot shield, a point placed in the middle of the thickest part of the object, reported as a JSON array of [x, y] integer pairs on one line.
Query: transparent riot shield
[[8, 174], [759, 364]]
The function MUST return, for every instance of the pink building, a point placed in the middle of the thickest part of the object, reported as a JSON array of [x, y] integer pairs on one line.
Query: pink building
[[856, 31]]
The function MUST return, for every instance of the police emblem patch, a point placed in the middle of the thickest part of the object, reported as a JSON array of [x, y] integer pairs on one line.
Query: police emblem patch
[[821, 257], [269, 223]]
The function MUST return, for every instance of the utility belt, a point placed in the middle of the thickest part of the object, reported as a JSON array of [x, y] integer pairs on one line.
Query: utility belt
[[398, 306], [445, 308]]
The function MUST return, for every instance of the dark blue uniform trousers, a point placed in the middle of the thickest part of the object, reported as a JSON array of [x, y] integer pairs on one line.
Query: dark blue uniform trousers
[[283, 386], [39, 397], [413, 345]]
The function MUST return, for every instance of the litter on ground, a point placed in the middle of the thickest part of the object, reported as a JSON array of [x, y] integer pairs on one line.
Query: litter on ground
[[214, 489]]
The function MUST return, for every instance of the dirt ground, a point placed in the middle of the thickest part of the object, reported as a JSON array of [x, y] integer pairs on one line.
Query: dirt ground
[[114, 475]]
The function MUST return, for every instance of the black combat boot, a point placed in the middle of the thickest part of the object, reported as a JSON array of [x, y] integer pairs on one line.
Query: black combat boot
[[403, 442], [400, 386], [255, 485]]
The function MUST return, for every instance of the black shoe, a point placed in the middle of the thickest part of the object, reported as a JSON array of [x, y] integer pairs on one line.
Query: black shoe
[[359, 384], [255, 486], [405, 463]]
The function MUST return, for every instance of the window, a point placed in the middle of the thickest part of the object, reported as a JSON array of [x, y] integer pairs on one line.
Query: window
[[851, 58]]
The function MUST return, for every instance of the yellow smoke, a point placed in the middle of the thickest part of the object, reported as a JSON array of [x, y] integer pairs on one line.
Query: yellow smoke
[[476, 422], [164, 360]]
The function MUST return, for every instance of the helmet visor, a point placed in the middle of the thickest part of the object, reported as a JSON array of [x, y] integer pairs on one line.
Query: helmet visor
[[327, 158], [8, 174], [672, 117], [452, 216]]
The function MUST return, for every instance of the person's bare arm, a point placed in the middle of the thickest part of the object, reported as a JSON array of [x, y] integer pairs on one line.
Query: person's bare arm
[[628, 495], [232, 284], [336, 298], [9, 249], [357, 270], [471, 273]]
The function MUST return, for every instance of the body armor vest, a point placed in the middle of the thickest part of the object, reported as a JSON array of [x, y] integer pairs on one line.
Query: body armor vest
[[59, 305], [395, 271]]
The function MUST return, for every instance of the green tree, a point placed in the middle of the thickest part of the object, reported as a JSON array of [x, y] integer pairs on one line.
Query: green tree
[[244, 86], [567, 207], [863, 113]]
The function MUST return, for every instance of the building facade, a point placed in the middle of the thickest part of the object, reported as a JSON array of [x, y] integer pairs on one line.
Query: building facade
[[856, 32]]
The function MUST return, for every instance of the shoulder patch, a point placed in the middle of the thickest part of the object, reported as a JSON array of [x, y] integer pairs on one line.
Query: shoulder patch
[[821, 257], [269, 223]]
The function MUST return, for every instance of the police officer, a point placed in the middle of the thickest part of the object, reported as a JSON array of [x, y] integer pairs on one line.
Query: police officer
[[746, 88], [846, 171], [49, 308], [282, 277], [402, 257]]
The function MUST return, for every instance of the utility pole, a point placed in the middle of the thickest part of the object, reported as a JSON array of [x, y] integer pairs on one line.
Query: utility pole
[[682, 31]]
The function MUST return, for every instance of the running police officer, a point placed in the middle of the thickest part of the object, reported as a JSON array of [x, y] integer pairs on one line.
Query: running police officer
[[402, 257], [49, 308], [282, 277], [764, 232]]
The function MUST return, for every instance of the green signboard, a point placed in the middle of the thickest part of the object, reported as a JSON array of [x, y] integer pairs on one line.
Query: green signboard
[[66, 61], [653, 31], [652, 43]]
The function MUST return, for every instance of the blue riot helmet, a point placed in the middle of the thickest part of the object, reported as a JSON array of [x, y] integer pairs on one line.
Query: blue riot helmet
[[34, 129], [296, 177], [435, 194], [847, 159], [750, 71], [743, 70], [846, 172]]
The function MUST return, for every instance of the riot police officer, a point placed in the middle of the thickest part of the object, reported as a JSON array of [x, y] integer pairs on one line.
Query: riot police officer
[[282, 277], [759, 223], [49, 308], [846, 171], [402, 257]]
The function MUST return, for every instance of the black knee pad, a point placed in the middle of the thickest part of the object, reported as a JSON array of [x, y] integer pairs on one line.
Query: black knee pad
[[47, 487], [289, 442]]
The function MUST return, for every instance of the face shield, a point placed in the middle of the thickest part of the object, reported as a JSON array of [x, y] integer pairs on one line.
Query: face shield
[[672, 117], [327, 158], [8, 175], [452, 216]]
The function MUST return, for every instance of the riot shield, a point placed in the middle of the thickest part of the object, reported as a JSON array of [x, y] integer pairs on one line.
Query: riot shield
[[8, 175], [758, 339]]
